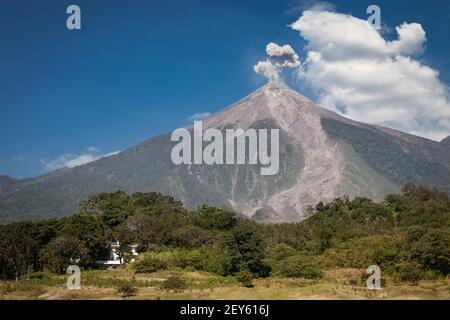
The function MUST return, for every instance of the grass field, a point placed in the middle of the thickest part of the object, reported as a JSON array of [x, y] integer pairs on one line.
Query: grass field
[[104, 284]]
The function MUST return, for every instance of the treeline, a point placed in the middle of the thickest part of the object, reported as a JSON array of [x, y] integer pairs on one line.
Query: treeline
[[407, 235]]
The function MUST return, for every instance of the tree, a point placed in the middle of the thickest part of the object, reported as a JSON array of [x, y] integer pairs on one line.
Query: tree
[[17, 250], [61, 252], [158, 230], [155, 204], [251, 248], [191, 236], [113, 208], [325, 236], [432, 251], [90, 231], [213, 218], [222, 257]]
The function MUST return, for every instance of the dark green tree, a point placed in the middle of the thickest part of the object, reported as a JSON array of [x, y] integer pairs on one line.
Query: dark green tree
[[61, 252]]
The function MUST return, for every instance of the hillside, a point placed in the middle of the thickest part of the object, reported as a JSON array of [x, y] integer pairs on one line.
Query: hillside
[[322, 156]]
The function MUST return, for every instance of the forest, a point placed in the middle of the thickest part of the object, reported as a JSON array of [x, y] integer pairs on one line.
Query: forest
[[407, 235]]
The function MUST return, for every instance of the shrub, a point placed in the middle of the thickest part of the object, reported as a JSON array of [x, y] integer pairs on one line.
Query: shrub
[[432, 251], [409, 272], [184, 258], [7, 287], [174, 283], [246, 278], [127, 290], [362, 252], [413, 276], [151, 262], [24, 286], [218, 259], [299, 267], [281, 251]]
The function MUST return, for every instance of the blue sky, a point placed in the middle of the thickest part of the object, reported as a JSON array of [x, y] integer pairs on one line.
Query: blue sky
[[141, 68]]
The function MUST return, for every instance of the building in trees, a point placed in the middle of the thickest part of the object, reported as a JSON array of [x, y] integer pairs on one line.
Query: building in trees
[[118, 254]]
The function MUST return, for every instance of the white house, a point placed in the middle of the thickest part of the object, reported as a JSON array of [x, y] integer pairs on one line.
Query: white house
[[113, 259]]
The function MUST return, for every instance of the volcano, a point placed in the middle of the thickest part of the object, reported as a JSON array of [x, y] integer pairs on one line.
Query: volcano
[[322, 156]]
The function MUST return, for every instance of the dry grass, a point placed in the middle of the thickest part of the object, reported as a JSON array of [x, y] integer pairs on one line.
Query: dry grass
[[337, 284]]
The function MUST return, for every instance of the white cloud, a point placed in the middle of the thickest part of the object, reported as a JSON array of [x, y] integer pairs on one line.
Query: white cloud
[[359, 74], [199, 116], [411, 39], [73, 160], [279, 57]]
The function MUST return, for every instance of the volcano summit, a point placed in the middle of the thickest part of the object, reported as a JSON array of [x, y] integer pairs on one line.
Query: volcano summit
[[322, 156]]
